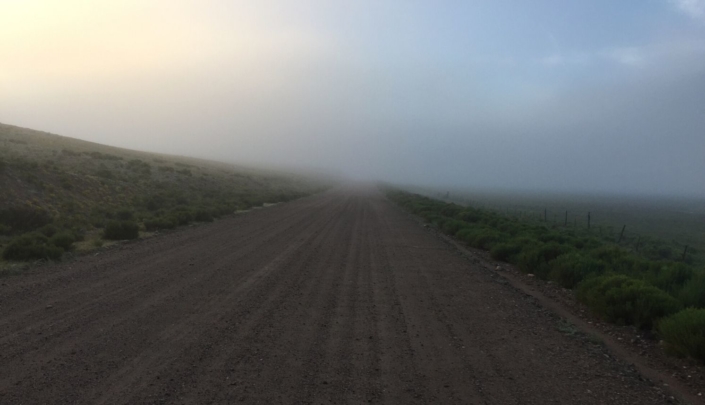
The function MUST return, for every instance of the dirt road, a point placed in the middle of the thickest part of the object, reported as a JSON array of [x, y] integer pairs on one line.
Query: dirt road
[[336, 298]]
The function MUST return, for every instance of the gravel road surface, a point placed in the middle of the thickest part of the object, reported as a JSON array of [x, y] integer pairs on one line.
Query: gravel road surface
[[331, 299]]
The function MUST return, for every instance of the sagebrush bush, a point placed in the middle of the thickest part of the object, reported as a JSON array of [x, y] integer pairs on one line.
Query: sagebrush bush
[[684, 332], [63, 240], [202, 215], [669, 277], [48, 230], [24, 218], [570, 269], [124, 214], [452, 226], [121, 230], [155, 224], [692, 294], [31, 246], [505, 251], [535, 259], [625, 300]]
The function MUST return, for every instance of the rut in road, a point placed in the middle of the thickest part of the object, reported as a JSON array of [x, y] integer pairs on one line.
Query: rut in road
[[335, 298]]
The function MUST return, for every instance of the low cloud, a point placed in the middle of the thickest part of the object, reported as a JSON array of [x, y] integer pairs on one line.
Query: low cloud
[[693, 8]]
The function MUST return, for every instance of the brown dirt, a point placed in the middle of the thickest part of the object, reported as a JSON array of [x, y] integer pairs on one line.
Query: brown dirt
[[337, 298]]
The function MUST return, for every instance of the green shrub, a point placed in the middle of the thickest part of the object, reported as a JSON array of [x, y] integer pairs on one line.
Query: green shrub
[[535, 258], [48, 230], [31, 247], [79, 235], [684, 332], [692, 294], [181, 216], [105, 173], [608, 254], [481, 238], [103, 156], [669, 277], [625, 300], [24, 218], [121, 230], [452, 226], [66, 183], [505, 251], [63, 240], [202, 215], [124, 214], [139, 167], [155, 224], [156, 202], [571, 268]]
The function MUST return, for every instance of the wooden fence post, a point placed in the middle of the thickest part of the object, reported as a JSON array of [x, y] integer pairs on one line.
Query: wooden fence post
[[588, 220], [621, 234], [685, 251]]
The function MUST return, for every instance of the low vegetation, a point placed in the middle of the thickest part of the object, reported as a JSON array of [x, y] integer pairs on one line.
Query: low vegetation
[[619, 284], [685, 333], [62, 194], [121, 230]]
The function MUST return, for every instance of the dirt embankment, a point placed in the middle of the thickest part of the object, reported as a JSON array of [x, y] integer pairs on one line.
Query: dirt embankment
[[337, 298]]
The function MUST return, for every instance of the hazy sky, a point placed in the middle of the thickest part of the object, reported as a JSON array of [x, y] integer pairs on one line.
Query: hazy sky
[[593, 95]]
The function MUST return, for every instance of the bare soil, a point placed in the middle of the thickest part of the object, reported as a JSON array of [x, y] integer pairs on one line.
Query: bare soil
[[336, 298]]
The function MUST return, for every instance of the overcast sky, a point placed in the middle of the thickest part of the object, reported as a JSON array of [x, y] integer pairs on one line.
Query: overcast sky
[[593, 95]]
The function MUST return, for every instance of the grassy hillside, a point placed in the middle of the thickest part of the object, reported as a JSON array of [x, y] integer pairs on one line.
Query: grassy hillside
[[60, 193]]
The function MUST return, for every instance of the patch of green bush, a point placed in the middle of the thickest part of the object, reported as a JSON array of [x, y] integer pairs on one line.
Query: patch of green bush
[[571, 268], [684, 332], [535, 259], [505, 251], [202, 215], [63, 240], [65, 183], [625, 300], [102, 156], [24, 218], [155, 224], [48, 230], [121, 230], [124, 214], [692, 294], [668, 276], [105, 173], [139, 167], [31, 246]]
